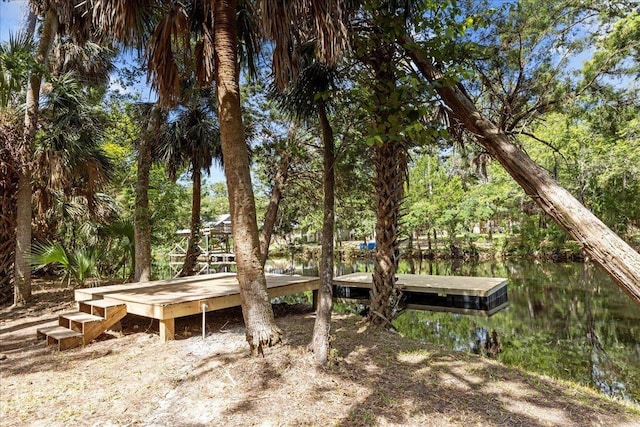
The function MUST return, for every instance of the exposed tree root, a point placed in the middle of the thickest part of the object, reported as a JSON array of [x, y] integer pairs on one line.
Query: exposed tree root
[[258, 338]]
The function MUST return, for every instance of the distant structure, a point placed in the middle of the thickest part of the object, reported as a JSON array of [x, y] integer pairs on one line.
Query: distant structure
[[215, 245]]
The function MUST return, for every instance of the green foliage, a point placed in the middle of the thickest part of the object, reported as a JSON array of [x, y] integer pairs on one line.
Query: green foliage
[[16, 63], [80, 264], [119, 243], [617, 52]]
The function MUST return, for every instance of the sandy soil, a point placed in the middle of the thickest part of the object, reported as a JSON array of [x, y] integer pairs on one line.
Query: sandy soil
[[376, 378]]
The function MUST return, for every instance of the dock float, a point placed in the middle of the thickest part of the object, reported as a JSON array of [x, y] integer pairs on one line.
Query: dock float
[[458, 294]]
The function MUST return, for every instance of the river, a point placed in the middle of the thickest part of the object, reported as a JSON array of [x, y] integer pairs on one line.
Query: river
[[565, 320]]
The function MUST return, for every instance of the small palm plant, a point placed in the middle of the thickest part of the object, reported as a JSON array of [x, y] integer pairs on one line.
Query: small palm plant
[[81, 264]]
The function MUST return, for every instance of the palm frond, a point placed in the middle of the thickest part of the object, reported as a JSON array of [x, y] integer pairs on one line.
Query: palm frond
[[130, 22], [85, 265], [16, 61], [172, 30], [293, 23], [248, 35], [43, 254], [92, 62]]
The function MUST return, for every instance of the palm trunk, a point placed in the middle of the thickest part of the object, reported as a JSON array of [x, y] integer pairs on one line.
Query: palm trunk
[[606, 248], [322, 326], [141, 223], [261, 328], [22, 267], [194, 236], [390, 168], [391, 171]]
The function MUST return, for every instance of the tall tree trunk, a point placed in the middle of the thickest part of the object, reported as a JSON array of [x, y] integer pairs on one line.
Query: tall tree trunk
[[322, 327], [389, 183], [390, 164], [261, 328], [274, 203], [606, 248], [194, 236], [141, 221], [22, 267]]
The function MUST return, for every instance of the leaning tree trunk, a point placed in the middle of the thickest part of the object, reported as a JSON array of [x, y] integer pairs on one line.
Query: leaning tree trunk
[[193, 251], [22, 267], [606, 248], [141, 222], [322, 327], [272, 210], [261, 328]]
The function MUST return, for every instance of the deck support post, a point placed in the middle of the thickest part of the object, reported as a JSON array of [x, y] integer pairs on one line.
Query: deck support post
[[314, 299], [167, 329]]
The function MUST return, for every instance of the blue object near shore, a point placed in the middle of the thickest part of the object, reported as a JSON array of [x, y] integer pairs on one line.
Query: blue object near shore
[[369, 246]]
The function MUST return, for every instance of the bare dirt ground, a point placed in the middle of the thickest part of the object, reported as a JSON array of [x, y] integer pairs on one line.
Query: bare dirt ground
[[376, 378]]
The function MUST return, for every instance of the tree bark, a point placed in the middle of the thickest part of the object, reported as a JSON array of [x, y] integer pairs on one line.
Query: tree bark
[[194, 236], [320, 342], [261, 328], [141, 221], [274, 203], [389, 184], [606, 248], [22, 267], [390, 167]]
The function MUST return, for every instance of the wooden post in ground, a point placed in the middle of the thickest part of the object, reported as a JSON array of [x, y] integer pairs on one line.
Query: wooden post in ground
[[167, 329]]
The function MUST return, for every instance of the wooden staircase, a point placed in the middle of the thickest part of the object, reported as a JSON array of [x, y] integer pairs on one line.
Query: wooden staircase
[[83, 326]]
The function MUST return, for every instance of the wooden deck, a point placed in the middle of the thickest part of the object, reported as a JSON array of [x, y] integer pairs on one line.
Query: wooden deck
[[167, 299]]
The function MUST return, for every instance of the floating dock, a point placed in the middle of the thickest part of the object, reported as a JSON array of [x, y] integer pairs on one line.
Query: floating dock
[[458, 294]]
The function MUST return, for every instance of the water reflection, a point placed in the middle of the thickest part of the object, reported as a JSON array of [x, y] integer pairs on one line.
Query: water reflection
[[565, 320]]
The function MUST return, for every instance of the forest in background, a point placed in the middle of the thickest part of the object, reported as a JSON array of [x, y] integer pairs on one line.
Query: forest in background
[[561, 81]]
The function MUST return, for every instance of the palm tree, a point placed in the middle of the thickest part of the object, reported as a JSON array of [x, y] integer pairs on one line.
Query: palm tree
[[192, 137], [17, 60], [153, 116], [216, 40], [22, 267], [68, 160], [388, 107], [75, 23], [305, 100]]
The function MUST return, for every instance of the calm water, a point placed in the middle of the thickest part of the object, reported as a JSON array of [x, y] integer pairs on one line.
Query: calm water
[[568, 321]]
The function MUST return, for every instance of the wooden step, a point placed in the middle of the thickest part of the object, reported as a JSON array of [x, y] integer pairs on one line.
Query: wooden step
[[101, 307], [79, 322], [78, 316], [110, 313], [83, 326], [65, 338]]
